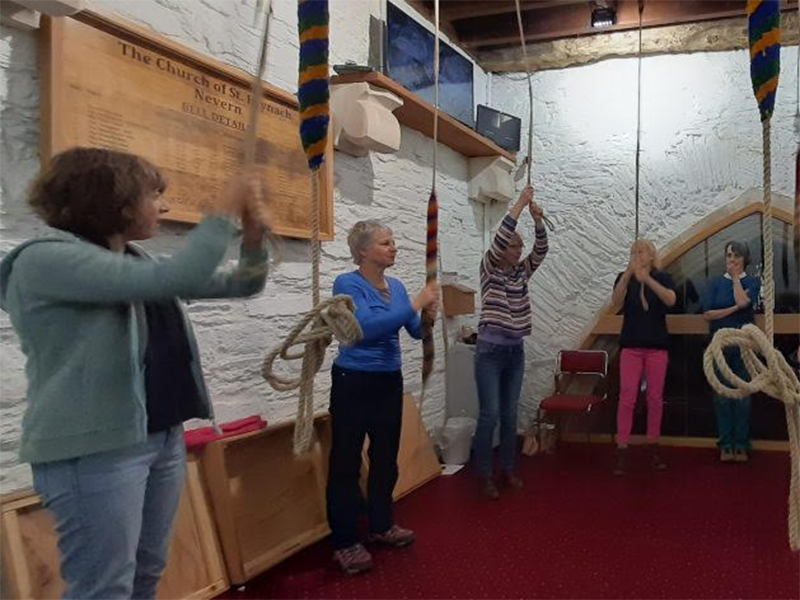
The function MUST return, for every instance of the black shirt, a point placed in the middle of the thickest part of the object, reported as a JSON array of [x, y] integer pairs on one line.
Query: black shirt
[[645, 328], [172, 394]]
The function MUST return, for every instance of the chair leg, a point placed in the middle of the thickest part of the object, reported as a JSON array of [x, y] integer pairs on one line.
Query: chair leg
[[589, 425]]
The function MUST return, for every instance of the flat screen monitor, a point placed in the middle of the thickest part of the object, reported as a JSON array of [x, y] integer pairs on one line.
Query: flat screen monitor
[[503, 129], [409, 62]]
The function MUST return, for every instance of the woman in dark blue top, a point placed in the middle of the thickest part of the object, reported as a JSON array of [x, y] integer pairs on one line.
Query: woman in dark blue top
[[645, 294], [367, 396], [730, 302]]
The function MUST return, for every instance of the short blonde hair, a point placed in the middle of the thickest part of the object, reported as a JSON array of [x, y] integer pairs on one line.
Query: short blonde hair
[[650, 247], [361, 236]]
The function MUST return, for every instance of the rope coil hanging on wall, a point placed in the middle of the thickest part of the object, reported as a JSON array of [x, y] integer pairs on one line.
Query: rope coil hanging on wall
[[334, 316], [767, 368]]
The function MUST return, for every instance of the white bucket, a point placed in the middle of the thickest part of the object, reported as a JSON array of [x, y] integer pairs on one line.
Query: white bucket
[[457, 439]]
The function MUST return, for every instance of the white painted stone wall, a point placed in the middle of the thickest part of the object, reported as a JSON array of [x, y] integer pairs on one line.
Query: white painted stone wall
[[700, 149], [234, 335]]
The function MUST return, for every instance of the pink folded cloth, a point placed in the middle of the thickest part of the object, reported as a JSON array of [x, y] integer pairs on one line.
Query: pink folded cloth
[[195, 439]]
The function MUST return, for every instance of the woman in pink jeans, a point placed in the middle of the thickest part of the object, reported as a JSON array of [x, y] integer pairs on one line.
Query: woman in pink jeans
[[644, 293]]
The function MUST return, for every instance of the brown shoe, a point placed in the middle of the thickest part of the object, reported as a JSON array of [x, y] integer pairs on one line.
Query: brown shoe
[[488, 489], [510, 480], [395, 536], [353, 559], [622, 462]]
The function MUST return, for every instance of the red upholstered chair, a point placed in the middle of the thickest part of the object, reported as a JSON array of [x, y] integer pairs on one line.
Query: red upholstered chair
[[584, 372]]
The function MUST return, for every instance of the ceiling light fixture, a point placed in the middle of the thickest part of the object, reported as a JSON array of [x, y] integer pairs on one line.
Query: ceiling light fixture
[[602, 14]]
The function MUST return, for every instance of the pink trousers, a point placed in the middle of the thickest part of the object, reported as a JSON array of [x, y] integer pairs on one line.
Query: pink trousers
[[631, 364]]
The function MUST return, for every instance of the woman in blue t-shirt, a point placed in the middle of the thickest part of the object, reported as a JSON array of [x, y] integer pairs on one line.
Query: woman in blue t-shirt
[[730, 302], [367, 396], [645, 295]]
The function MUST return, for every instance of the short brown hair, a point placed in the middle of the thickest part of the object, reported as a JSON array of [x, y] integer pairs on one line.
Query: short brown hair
[[93, 192]]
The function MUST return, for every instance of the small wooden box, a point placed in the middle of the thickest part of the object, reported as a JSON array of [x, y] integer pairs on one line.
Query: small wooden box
[[31, 559], [458, 299]]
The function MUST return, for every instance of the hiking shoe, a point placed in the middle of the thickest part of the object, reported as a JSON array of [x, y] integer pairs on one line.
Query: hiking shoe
[[394, 536], [353, 559], [488, 489], [510, 480]]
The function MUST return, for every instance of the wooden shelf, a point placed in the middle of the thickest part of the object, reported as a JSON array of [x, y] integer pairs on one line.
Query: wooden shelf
[[696, 324], [417, 114]]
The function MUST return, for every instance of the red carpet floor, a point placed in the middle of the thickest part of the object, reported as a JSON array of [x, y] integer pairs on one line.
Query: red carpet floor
[[702, 529]]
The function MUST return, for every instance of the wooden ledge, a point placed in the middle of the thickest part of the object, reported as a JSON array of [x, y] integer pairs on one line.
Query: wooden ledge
[[417, 114], [785, 324]]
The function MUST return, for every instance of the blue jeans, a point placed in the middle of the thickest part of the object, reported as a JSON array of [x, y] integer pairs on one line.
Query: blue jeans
[[114, 513], [733, 415], [498, 373]]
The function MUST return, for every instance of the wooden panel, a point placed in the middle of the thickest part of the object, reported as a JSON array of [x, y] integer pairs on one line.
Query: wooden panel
[[416, 460], [457, 299], [30, 553], [195, 568], [30, 557], [417, 114], [109, 84], [268, 504], [696, 324]]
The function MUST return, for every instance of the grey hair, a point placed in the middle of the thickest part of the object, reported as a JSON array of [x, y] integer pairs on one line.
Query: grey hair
[[740, 249], [361, 235]]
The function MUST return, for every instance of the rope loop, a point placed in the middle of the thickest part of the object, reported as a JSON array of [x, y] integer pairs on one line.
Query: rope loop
[[768, 370], [333, 317]]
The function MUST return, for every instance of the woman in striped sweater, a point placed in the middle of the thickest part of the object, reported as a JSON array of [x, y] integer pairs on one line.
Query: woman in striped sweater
[[499, 356]]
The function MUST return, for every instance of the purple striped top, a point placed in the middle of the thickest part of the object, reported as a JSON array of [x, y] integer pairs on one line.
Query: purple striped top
[[505, 304]]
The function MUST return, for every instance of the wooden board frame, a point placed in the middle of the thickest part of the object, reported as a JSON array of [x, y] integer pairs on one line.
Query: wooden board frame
[[182, 110], [268, 504], [30, 556]]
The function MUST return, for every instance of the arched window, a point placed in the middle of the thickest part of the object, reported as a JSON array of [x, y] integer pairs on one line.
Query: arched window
[[693, 262]]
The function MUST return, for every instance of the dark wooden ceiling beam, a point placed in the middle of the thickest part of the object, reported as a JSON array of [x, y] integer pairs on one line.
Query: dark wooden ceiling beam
[[453, 10], [575, 20]]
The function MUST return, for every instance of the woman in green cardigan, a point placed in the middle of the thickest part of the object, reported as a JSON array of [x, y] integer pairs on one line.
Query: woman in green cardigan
[[112, 364]]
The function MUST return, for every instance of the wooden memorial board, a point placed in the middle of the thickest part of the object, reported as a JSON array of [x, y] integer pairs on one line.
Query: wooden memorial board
[[107, 83]]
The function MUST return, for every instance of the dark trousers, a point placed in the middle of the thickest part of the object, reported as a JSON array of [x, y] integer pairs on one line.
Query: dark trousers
[[363, 403]]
